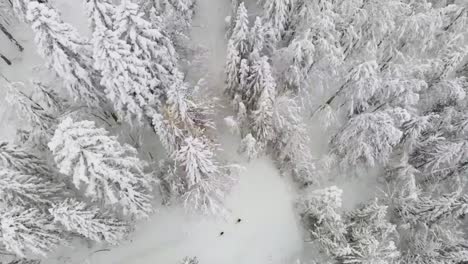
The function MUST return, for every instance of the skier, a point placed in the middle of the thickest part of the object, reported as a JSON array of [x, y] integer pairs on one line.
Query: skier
[[238, 220]]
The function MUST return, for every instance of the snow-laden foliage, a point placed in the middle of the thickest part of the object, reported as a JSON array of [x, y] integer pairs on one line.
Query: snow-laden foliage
[[149, 41], [277, 15], [65, 52], [26, 179], [107, 170], [41, 119], [268, 118], [141, 77], [175, 18], [292, 145], [319, 211], [249, 147], [18, 188], [206, 182], [28, 232], [88, 221], [6, 13], [367, 138], [363, 235], [431, 229], [20, 7], [240, 33]]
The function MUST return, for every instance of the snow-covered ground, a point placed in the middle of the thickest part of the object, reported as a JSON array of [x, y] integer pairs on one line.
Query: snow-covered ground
[[268, 232]]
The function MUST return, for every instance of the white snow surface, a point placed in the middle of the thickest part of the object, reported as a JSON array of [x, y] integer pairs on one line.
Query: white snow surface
[[268, 232]]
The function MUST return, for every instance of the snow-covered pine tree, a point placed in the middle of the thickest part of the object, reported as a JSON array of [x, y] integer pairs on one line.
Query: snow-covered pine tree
[[27, 232], [431, 228], [27, 180], [363, 235], [240, 33], [262, 116], [66, 53], [320, 214], [20, 189], [232, 70], [100, 14], [249, 147], [88, 221], [302, 59], [147, 40], [174, 17], [21, 159], [366, 139], [232, 18], [259, 83], [48, 98], [257, 35], [41, 120], [124, 75], [277, 13], [206, 182], [371, 237], [291, 146], [107, 170]]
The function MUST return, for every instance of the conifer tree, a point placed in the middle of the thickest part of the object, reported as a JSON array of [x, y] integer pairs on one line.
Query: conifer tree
[[232, 69], [40, 119], [206, 182], [21, 189], [257, 35], [277, 15], [65, 52], [105, 169], [88, 221], [27, 232], [28, 180], [148, 40], [240, 33]]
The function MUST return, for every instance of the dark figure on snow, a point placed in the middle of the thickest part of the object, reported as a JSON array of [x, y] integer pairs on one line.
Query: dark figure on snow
[[222, 233], [238, 220]]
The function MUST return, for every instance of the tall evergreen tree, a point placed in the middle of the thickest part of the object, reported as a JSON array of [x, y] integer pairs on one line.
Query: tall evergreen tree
[[27, 232], [105, 169], [66, 53], [88, 221]]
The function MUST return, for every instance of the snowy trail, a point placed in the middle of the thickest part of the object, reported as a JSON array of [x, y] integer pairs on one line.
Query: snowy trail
[[267, 234], [208, 31]]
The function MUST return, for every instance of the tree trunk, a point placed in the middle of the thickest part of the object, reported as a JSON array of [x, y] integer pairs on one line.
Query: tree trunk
[[5, 59], [10, 37]]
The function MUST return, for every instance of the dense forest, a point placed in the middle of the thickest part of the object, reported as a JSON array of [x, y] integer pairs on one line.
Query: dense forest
[[115, 124]]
